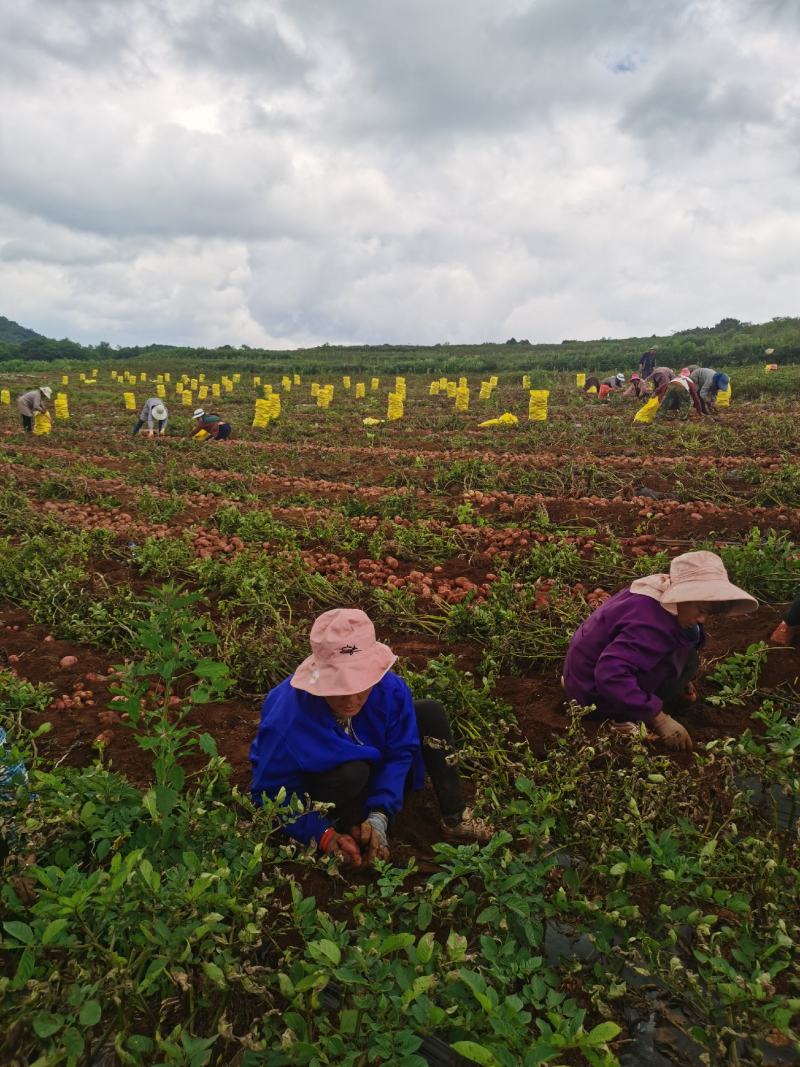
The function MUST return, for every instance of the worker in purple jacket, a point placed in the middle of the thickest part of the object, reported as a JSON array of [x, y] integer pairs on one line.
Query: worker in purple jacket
[[638, 653], [344, 730]]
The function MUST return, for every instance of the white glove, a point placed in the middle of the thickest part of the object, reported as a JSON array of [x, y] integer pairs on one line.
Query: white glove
[[380, 827], [672, 733]]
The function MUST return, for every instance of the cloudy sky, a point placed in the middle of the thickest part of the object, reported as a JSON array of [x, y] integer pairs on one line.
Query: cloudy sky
[[266, 173]]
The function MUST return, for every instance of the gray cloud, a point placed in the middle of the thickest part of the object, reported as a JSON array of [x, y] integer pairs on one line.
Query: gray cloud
[[288, 173]]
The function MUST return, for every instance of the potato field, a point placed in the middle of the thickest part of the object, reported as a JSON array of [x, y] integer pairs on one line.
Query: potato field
[[633, 907]]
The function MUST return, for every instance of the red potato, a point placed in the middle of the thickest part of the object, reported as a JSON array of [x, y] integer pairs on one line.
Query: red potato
[[67, 661]]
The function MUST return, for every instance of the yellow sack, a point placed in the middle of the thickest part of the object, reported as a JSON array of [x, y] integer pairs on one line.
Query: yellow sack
[[580, 380], [42, 423], [201, 435], [647, 412], [724, 398], [506, 419], [369, 421], [592, 390]]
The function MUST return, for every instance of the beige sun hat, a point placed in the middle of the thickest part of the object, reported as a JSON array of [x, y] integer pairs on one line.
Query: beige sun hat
[[346, 657], [696, 576]]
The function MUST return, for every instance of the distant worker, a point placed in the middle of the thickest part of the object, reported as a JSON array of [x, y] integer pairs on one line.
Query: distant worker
[[678, 395], [637, 388], [709, 382], [33, 403], [634, 659], [788, 630], [155, 414], [615, 381], [213, 425], [647, 362], [660, 376]]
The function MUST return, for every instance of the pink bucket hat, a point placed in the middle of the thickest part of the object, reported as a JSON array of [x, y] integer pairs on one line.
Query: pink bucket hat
[[698, 576], [345, 658]]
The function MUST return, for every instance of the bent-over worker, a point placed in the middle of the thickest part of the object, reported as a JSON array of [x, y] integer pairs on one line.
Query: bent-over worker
[[345, 730], [679, 394], [637, 388], [154, 413], [708, 383], [660, 376], [636, 656], [33, 403], [212, 424]]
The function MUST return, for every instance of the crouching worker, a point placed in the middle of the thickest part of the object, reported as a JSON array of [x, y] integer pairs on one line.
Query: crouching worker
[[635, 657], [344, 730], [206, 424], [155, 414]]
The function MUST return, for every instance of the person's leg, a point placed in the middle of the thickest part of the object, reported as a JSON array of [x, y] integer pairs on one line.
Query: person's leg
[[27, 423], [224, 432], [162, 426], [344, 786], [137, 426], [441, 757], [792, 616], [685, 402], [674, 692]]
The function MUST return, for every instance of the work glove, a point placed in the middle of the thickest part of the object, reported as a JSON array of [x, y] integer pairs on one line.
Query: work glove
[[671, 732], [373, 837], [343, 846]]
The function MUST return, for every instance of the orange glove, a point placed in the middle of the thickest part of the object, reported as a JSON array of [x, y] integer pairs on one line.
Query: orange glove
[[342, 846]]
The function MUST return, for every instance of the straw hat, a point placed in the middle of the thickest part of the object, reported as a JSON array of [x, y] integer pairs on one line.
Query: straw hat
[[159, 412], [699, 577], [199, 413], [46, 391], [346, 657]]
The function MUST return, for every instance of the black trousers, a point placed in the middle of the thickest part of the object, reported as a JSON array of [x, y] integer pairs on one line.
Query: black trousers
[[671, 692], [792, 616], [346, 786], [27, 423], [160, 424]]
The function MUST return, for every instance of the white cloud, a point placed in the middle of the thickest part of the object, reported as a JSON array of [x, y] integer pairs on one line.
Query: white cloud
[[288, 173]]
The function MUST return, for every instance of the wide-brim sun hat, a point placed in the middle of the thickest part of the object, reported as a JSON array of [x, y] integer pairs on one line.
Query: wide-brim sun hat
[[346, 657], [698, 577], [199, 413], [45, 390], [620, 377], [159, 413]]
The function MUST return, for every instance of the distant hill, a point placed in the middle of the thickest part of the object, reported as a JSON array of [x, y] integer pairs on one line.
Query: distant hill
[[12, 333]]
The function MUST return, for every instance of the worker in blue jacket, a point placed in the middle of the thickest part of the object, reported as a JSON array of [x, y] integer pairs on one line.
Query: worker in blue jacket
[[344, 730]]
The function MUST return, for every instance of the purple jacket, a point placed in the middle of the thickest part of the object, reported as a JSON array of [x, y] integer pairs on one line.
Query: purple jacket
[[624, 651]]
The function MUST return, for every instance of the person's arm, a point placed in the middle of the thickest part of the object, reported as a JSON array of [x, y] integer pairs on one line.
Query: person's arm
[[387, 782], [148, 414], [637, 650], [661, 390], [40, 405], [310, 826]]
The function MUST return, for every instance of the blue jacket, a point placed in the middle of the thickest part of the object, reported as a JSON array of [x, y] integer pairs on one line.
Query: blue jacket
[[299, 735]]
